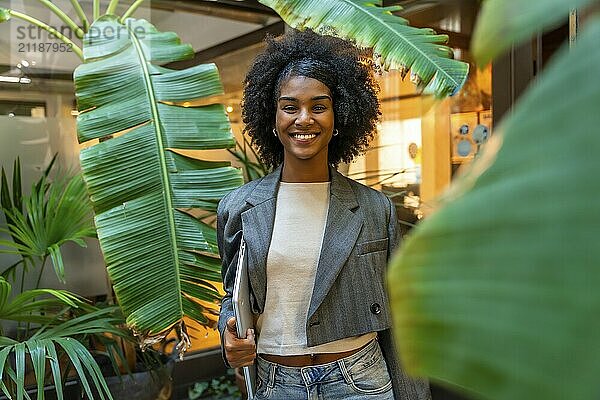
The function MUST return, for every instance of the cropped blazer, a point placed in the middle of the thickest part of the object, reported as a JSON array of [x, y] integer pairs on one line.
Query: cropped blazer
[[349, 297]]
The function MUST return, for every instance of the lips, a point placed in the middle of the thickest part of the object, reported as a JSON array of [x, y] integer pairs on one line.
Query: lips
[[303, 138]]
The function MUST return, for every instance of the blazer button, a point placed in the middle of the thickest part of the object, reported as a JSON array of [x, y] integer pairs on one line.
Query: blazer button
[[375, 308]]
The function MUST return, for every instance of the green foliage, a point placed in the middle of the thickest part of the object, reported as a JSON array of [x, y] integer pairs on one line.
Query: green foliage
[[496, 293], [223, 388], [66, 321], [401, 46], [4, 15], [159, 257], [55, 212], [252, 169], [502, 23], [28, 307]]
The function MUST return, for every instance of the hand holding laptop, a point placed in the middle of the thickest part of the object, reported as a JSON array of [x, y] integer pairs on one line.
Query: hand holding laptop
[[240, 352]]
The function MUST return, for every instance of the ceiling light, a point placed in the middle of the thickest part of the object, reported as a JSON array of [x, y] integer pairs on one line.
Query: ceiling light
[[14, 79], [10, 79], [229, 109]]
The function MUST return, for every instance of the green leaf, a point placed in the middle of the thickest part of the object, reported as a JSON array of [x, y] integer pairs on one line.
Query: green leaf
[[54, 213], [4, 15], [497, 292], [37, 352], [19, 350], [5, 200], [502, 23], [400, 45], [80, 359], [5, 289], [16, 188], [4, 353], [57, 261], [41, 347], [137, 178], [39, 305], [55, 366]]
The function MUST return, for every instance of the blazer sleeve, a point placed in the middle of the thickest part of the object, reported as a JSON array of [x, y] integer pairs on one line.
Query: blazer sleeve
[[404, 387], [226, 239]]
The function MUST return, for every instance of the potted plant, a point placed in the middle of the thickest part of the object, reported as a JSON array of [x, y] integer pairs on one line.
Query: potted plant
[[54, 327], [56, 324], [156, 173], [140, 183]]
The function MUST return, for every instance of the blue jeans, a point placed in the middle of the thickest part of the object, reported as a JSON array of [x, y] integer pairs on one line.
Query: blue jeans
[[362, 375]]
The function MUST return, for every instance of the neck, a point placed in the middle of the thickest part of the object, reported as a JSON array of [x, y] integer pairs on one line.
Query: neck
[[312, 170]]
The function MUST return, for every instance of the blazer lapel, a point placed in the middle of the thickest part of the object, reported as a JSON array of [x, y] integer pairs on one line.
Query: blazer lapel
[[341, 232], [257, 225]]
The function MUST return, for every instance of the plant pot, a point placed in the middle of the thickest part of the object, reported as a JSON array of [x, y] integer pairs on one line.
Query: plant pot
[[141, 384], [147, 385]]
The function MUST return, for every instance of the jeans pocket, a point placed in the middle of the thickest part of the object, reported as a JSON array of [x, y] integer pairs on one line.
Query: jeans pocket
[[264, 380], [369, 374]]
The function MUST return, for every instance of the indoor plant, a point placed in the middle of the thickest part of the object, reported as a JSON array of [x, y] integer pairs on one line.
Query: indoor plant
[[121, 86], [53, 325], [497, 292]]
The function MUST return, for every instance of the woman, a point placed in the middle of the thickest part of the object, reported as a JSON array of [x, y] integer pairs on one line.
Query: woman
[[318, 243]]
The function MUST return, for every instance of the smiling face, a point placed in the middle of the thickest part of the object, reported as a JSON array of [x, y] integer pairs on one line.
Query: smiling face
[[304, 120]]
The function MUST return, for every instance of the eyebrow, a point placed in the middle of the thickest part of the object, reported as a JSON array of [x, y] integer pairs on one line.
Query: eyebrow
[[322, 97]]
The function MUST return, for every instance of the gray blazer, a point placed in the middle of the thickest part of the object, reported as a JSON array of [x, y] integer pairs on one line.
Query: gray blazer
[[349, 297]]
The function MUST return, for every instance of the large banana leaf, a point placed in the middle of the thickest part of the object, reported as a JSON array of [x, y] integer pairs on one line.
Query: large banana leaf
[[369, 25], [498, 291], [502, 23], [158, 256]]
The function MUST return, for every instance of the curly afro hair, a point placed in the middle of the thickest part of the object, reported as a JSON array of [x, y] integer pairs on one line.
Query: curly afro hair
[[338, 64]]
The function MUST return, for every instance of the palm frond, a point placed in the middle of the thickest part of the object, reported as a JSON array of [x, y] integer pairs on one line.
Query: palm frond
[[40, 306], [54, 213], [58, 335], [401, 46], [40, 351], [139, 183]]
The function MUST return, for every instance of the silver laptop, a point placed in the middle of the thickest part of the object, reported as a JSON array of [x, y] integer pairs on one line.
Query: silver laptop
[[243, 312]]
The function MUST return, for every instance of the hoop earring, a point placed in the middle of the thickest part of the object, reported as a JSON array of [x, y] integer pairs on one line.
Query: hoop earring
[[336, 132], [275, 133]]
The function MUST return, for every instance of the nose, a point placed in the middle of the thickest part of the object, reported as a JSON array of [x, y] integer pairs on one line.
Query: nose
[[304, 119]]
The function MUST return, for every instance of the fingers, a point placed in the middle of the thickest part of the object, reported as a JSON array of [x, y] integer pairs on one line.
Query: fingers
[[239, 352], [231, 325]]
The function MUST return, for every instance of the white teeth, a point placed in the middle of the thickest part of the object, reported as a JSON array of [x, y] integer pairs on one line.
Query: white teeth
[[310, 136]]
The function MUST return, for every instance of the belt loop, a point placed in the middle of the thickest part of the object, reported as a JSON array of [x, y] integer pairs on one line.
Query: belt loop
[[271, 383], [345, 373]]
